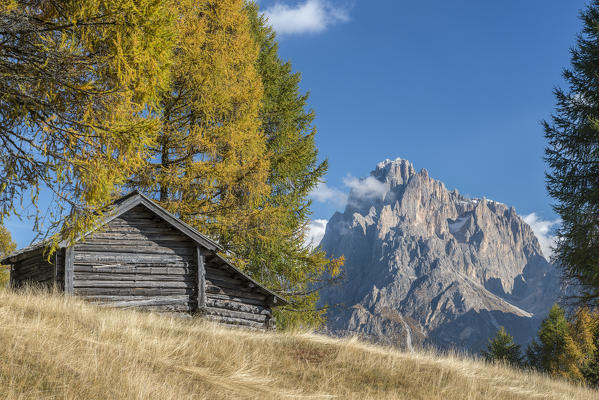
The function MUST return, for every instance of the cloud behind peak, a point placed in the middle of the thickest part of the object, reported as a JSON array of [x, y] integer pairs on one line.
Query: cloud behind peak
[[543, 231]]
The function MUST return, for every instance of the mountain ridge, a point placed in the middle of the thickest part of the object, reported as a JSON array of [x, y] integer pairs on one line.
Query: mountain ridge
[[428, 265]]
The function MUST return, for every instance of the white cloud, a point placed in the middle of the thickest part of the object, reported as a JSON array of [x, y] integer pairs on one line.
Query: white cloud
[[312, 16], [542, 230], [315, 232], [324, 194], [365, 188]]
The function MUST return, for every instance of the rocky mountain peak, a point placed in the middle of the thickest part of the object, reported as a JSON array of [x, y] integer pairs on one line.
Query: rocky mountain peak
[[422, 260], [394, 172]]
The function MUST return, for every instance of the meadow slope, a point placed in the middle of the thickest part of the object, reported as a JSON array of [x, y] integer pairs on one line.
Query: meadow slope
[[57, 347]]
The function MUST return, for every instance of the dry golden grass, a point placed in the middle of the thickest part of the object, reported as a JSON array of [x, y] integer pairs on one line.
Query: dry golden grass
[[52, 347]]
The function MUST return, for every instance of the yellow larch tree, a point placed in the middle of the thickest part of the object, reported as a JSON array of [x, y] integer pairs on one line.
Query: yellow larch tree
[[209, 165], [7, 246], [78, 79]]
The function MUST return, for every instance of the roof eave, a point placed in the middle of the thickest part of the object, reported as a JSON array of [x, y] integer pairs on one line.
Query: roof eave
[[276, 297]]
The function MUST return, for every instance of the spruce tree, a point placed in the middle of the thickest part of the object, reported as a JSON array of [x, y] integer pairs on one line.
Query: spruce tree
[[293, 268], [503, 349], [572, 155]]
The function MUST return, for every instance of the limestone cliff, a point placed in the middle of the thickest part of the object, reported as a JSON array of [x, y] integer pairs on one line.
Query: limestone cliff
[[425, 265]]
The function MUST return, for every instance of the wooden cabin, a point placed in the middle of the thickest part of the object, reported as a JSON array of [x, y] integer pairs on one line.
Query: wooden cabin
[[142, 256]]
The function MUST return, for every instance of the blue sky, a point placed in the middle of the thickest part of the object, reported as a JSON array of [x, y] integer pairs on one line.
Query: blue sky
[[457, 87]]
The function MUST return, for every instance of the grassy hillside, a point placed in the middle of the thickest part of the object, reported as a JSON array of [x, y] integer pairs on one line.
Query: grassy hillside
[[54, 347]]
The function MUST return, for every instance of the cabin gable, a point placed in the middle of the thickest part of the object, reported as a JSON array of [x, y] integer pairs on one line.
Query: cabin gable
[[137, 260]]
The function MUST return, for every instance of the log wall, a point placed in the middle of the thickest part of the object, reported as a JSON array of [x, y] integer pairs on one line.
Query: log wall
[[231, 299], [137, 260], [32, 268]]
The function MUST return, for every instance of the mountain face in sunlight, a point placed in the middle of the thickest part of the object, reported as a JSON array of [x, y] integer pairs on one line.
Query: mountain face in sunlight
[[425, 265]]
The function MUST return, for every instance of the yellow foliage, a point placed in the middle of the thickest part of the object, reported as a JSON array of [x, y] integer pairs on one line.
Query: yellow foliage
[[210, 165], [79, 78], [8, 6], [583, 327], [568, 363], [7, 246], [335, 266]]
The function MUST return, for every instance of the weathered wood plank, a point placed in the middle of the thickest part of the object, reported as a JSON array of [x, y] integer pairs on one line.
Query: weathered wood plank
[[134, 284], [24, 256], [126, 231], [34, 269], [31, 268], [60, 271], [34, 276], [113, 257], [120, 225], [40, 275], [233, 292], [235, 297], [137, 261], [178, 308], [29, 261], [135, 249], [141, 241], [231, 282], [236, 321], [69, 258], [94, 276], [96, 291], [213, 271], [242, 287], [109, 298], [154, 301], [235, 314], [201, 278], [146, 264], [163, 308], [238, 306], [132, 269], [39, 259]]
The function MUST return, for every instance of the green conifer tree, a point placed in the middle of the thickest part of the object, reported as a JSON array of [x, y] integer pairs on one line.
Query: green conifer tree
[[572, 155], [503, 349], [293, 268]]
